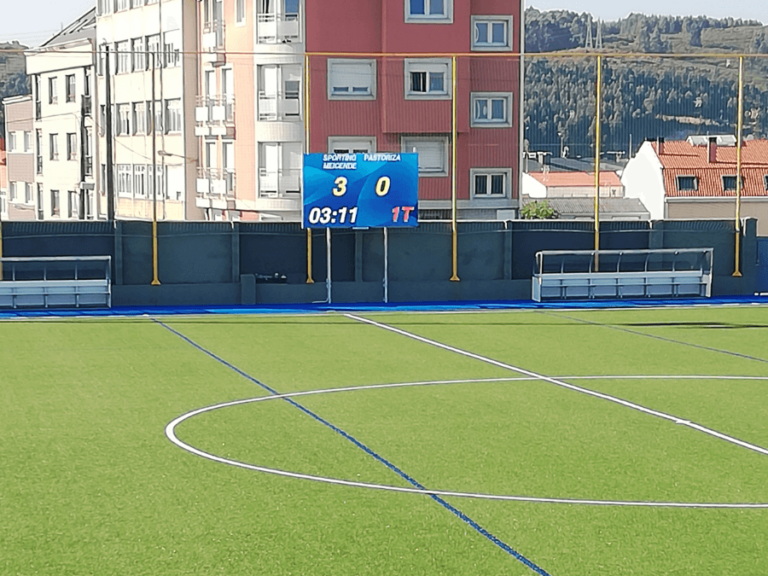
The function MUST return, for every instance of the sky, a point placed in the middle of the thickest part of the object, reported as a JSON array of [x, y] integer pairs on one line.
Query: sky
[[31, 22]]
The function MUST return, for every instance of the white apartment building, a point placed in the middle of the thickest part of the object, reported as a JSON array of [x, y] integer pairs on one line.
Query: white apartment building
[[153, 65], [251, 149], [64, 129]]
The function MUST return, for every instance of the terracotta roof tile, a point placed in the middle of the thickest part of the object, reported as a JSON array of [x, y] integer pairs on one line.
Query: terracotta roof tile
[[683, 159]]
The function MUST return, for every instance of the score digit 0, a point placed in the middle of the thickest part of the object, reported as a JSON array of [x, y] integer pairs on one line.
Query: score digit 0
[[382, 186]]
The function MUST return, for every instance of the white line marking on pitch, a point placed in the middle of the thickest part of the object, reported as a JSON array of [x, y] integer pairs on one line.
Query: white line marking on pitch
[[562, 384], [170, 432]]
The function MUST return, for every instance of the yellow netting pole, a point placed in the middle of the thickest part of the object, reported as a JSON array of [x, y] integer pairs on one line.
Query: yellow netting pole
[[598, 96], [739, 124], [454, 225]]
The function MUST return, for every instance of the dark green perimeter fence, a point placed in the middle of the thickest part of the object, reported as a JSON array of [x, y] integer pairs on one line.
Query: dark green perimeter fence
[[212, 263]]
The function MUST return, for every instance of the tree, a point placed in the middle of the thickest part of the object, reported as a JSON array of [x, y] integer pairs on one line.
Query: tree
[[538, 210]]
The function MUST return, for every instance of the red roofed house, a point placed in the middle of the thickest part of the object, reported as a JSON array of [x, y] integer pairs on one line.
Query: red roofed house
[[696, 179]]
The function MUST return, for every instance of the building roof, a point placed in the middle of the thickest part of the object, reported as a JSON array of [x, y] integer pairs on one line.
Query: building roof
[[682, 158], [585, 207], [575, 179], [83, 27]]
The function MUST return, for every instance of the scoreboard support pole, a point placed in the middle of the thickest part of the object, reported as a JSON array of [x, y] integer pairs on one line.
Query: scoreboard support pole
[[328, 264], [386, 266]]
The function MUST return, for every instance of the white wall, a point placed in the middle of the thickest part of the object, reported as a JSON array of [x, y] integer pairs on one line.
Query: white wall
[[643, 178], [533, 188]]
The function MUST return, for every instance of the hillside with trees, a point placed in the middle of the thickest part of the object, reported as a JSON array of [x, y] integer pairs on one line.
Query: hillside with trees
[[647, 92]]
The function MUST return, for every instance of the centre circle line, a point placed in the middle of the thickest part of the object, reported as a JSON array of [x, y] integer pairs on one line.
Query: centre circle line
[[170, 432]]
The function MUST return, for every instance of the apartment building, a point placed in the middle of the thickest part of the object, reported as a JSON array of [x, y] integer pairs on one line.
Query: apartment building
[[147, 57], [251, 145], [3, 182], [359, 101], [64, 127], [20, 158]]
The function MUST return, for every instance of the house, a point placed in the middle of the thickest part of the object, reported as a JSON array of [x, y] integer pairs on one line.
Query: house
[[310, 77], [550, 184], [64, 124], [696, 178]]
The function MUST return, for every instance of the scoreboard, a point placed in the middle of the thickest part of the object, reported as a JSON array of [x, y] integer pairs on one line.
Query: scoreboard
[[360, 190]]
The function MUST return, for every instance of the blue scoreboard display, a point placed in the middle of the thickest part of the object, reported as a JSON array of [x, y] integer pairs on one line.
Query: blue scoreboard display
[[361, 190]]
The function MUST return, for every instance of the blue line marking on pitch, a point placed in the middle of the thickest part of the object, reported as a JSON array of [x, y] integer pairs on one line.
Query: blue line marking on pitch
[[458, 513], [301, 308]]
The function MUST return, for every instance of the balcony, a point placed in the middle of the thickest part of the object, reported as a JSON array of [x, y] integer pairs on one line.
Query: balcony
[[279, 107], [213, 43], [215, 186], [278, 28], [279, 190], [215, 116]]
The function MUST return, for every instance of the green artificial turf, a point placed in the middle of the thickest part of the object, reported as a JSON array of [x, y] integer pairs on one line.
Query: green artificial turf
[[89, 484]]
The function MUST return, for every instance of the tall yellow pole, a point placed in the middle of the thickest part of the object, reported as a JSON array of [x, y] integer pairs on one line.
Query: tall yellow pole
[[598, 97], [454, 224], [739, 127], [306, 149], [155, 279]]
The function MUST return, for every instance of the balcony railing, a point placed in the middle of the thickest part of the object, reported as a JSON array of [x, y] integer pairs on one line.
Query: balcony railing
[[213, 35], [220, 109], [278, 28], [279, 106], [279, 183], [216, 183]]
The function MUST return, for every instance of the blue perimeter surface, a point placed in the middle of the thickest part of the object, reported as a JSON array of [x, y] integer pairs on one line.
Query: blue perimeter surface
[[370, 307]]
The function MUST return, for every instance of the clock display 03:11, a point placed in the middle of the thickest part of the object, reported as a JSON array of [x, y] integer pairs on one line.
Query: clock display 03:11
[[328, 215]]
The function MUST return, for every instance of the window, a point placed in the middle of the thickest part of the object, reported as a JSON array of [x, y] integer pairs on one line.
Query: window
[[53, 146], [88, 151], [172, 48], [102, 119], [70, 86], [491, 109], [729, 182], [55, 206], [105, 7], [124, 177], [53, 91], [228, 164], [27, 193], [27, 141], [123, 120], [351, 79], [139, 57], [211, 155], [137, 3], [139, 118], [432, 151], [490, 182], [159, 181], [73, 204], [491, 32], [158, 111], [153, 51], [687, 183], [123, 50], [139, 180], [351, 144], [71, 146], [173, 115], [40, 204], [240, 11], [429, 79], [440, 11], [765, 181], [123, 5], [13, 189], [12, 142], [39, 154]]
